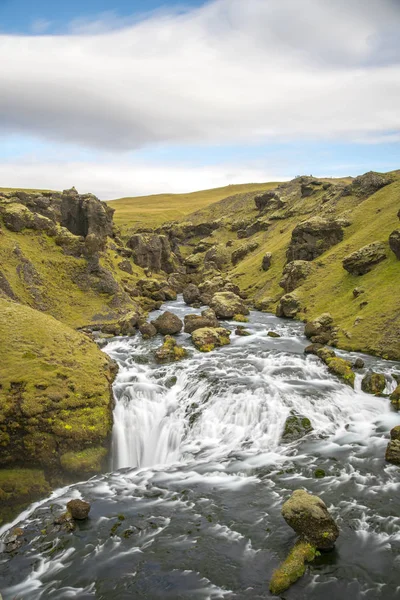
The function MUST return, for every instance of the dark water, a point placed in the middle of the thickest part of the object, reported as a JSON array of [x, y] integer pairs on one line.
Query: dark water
[[191, 509]]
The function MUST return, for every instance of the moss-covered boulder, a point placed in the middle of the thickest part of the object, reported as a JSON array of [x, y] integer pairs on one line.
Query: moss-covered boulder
[[294, 274], [395, 398], [342, 368], [227, 304], [373, 383], [242, 331], [288, 306], [367, 184], [241, 252], [170, 351], [321, 329], [362, 261], [168, 323], [309, 517], [393, 448], [191, 294], [128, 323], [147, 330], [293, 567], [394, 243], [206, 319], [209, 338], [296, 427], [217, 257], [313, 237], [266, 261]]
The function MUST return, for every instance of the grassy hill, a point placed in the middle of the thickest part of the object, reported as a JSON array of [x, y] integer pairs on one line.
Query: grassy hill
[[152, 211]]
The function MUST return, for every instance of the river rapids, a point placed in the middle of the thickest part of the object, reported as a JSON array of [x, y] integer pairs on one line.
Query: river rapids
[[190, 509]]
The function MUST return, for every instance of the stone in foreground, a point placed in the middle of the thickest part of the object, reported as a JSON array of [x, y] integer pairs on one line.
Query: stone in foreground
[[292, 568], [373, 383], [79, 509], [209, 338], [310, 519], [227, 304], [170, 351], [168, 323]]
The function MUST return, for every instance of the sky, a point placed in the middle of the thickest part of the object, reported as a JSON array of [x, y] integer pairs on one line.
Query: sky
[[129, 98]]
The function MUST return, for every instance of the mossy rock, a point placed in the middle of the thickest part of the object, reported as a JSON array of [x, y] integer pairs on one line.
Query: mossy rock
[[296, 427], [395, 398], [18, 488], [341, 368], [292, 568], [85, 462], [207, 339], [170, 351], [240, 318], [373, 383]]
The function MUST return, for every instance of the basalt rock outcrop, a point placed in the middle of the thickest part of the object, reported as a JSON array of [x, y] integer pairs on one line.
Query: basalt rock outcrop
[[168, 323], [153, 251], [394, 243], [288, 306], [363, 260], [367, 184], [321, 330], [312, 238], [294, 274]]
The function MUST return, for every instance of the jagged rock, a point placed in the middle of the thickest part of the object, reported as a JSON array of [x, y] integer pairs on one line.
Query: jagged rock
[[218, 256], [309, 517], [394, 243], [294, 274], [217, 284], [395, 398], [126, 266], [153, 251], [362, 261], [168, 323], [79, 509], [312, 238], [288, 306], [320, 330], [308, 188], [228, 304], [170, 351], [209, 338], [268, 200], [296, 427], [266, 261], [253, 228], [128, 323], [367, 184], [373, 383], [243, 251], [191, 294], [194, 262], [84, 214], [393, 448], [206, 319], [147, 330], [17, 217]]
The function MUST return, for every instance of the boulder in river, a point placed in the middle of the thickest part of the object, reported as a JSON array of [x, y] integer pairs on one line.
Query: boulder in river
[[296, 427], [292, 568], [309, 517], [168, 323], [206, 319], [79, 509], [362, 261], [341, 368], [288, 306], [320, 330], [127, 324], [170, 351], [227, 304], [373, 383], [147, 330], [393, 448], [395, 398], [209, 338], [191, 294]]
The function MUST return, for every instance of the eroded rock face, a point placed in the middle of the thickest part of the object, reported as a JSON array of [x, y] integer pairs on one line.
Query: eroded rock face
[[394, 243], [206, 319], [251, 229], [294, 275], [227, 304], [207, 339], [312, 238], [269, 200], [243, 251], [309, 517], [362, 261], [84, 214], [320, 330], [217, 256], [191, 294], [367, 184], [153, 251], [266, 261], [288, 306], [168, 323]]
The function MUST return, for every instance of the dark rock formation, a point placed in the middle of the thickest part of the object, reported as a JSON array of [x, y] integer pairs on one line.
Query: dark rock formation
[[227, 304], [266, 261], [294, 275], [373, 383], [395, 398], [147, 330], [168, 323], [217, 256], [216, 284], [296, 427], [367, 184], [191, 294], [84, 214], [312, 238], [362, 261], [321, 329], [154, 252], [394, 242], [393, 448], [255, 227], [269, 200], [243, 251], [288, 306], [79, 509], [206, 319]]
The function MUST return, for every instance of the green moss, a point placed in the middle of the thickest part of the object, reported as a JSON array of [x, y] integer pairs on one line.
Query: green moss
[[240, 319], [87, 461], [292, 568], [319, 473], [18, 488], [341, 368]]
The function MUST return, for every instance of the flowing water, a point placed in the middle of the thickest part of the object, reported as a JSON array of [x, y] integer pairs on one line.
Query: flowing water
[[191, 506]]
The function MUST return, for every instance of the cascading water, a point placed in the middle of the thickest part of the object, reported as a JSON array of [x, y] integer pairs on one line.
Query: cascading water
[[191, 508]]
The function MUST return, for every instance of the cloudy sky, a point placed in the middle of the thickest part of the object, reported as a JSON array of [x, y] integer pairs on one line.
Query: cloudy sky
[[138, 97]]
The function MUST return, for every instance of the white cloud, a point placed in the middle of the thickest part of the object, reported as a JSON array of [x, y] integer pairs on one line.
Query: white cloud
[[230, 71], [112, 180]]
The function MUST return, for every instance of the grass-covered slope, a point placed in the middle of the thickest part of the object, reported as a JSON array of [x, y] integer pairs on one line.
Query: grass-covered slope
[[152, 211], [55, 399]]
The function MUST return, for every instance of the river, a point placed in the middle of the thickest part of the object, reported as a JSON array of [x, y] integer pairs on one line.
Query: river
[[190, 509]]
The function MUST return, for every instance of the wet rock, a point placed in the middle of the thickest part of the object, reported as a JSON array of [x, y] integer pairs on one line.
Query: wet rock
[[312, 238], [170, 351], [325, 354], [313, 349], [209, 338], [373, 383], [79, 509], [147, 330], [341, 368], [395, 398], [294, 275], [168, 323], [394, 243], [358, 363], [296, 427], [393, 448], [266, 261], [292, 568], [273, 334], [128, 323], [319, 473], [288, 306], [191, 294], [206, 319], [64, 522], [362, 261], [367, 184], [243, 251], [13, 540], [227, 304], [309, 517], [321, 329], [242, 331]]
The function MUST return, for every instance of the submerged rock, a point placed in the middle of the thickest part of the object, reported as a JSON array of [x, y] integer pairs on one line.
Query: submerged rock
[[170, 351], [393, 448], [168, 323], [373, 383], [296, 427], [309, 517], [362, 261], [227, 304], [209, 338], [242, 331], [273, 334], [292, 568], [341, 368], [79, 509]]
